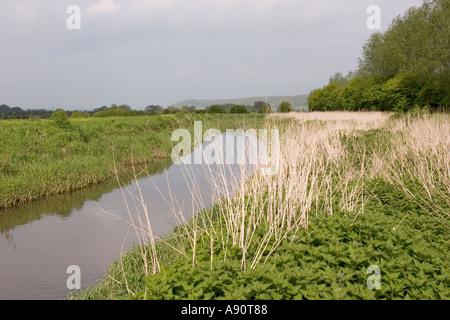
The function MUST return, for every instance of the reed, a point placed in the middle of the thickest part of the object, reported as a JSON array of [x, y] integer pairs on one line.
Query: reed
[[329, 165], [418, 161]]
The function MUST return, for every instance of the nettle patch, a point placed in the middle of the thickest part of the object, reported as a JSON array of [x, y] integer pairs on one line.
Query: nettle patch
[[330, 260]]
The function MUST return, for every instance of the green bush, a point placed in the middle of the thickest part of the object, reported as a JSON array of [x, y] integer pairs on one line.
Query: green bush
[[362, 93], [216, 109], [432, 94], [315, 100], [264, 108], [285, 107], [60, 119], [238, 109], [80, 114], [400, 93], [171, 110], [114, 112], [326, 98]]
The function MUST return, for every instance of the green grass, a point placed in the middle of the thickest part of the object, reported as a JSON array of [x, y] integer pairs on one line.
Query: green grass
[[40, 158], [328, 261]]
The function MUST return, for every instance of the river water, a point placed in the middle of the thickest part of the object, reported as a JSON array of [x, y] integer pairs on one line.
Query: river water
[[89, 228]]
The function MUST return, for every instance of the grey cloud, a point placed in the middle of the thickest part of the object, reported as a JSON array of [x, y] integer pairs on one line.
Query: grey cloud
[[143, 54]]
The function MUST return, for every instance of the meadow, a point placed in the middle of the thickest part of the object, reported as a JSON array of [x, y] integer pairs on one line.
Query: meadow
[[354, 192], [43, 157]]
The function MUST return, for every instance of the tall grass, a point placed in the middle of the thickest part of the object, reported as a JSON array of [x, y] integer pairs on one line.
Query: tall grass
[[418, 162], [328, 163], [357, 120], [40, 158], [314, 168], [317, 173]]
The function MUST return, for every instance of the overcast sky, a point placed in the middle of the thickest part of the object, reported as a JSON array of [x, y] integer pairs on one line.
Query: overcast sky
[[142, 52]]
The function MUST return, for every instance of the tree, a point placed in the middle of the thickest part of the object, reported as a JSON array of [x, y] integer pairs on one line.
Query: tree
[[188, 109], [215, 108], [340, 79], [316, 100], [171, 110], [7, 110], [103, 108], [416, 42], [262, 107], [407, 65], [153, 108], [361, 92], [4, 108], [258, 105], [285, 107], [60, 119], [433, 94], [327, 98], [238, 109], [401, 92]]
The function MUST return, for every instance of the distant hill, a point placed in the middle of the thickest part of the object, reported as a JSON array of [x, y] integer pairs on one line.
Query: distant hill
[[298, 102]]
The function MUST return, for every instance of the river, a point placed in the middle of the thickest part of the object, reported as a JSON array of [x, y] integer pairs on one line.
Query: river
[[89, 228]]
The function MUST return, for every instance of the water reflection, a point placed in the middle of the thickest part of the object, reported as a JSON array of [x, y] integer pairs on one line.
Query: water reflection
[[90, 228], [63, 205]]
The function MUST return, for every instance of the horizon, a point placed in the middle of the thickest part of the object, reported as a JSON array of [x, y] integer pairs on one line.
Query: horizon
[[143, 108]]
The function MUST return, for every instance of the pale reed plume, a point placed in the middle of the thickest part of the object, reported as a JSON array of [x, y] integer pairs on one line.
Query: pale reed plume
[[317, 175]]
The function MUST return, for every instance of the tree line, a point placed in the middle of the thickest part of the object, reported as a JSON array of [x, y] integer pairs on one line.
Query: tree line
[[7, 112], [114, 110], [406, 67]]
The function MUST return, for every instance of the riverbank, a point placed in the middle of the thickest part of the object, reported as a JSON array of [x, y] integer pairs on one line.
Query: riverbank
[[40, 158], [358, 210]]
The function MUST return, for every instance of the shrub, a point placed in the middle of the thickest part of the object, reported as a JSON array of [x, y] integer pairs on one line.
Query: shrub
[[401, 92], [79, 114], [171, 110], [315, 100], [265, 108], [60, 119], [238, 109], [114, 112], [216, 109], [285, 107]]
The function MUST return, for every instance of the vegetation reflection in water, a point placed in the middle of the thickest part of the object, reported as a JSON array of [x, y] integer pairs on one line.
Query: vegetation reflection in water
[[63, 205]]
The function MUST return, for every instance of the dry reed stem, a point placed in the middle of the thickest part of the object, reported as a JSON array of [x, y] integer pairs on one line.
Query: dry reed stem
[[421, 152], [314, 168]]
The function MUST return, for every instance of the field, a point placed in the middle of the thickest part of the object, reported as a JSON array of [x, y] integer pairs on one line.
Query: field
[[39, 158], [359, 209]]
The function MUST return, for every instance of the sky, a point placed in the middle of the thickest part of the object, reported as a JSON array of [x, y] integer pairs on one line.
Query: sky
[[143, 52]]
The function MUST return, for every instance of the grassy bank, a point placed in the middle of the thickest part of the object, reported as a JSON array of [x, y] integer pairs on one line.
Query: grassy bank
[[330, 260], [350, 193], [40, 158]]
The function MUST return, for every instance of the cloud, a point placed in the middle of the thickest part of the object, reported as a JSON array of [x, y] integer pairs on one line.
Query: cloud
[[103, 7], [143, 52], [23, 9]]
